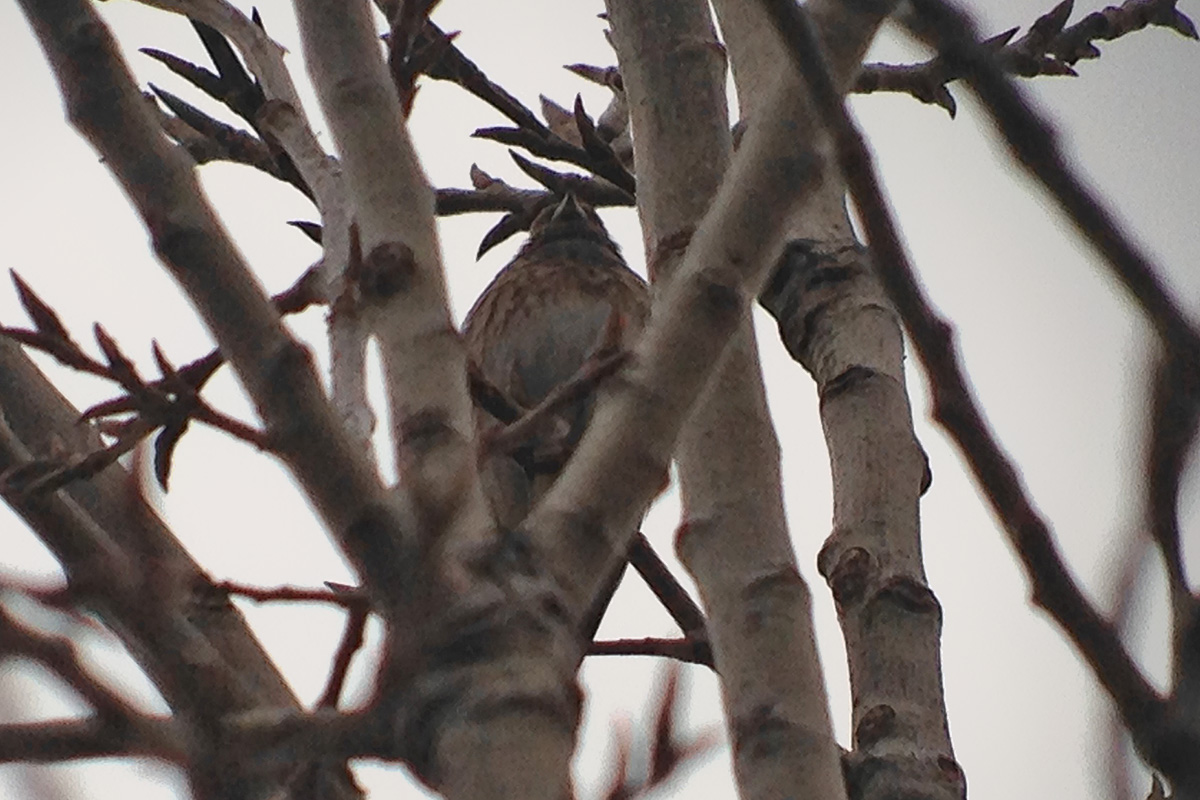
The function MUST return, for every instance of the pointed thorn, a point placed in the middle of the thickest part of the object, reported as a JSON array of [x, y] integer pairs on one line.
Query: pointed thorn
[[479, 178], [945, 99], [44, 318], [310, 229], [164, 448], [118, 405], [604, 76], [122, 369], [581, 116], [165, 367], [223, 56], [510, 136], [1181, 23], [1049, 24], [508, 225], [1000, 39], [543, 175], [552, 112]]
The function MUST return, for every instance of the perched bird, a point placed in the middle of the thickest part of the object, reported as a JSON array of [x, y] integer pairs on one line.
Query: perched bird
[[565, 297]]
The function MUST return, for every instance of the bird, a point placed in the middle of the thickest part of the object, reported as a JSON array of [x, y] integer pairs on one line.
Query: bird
[[566, 297]]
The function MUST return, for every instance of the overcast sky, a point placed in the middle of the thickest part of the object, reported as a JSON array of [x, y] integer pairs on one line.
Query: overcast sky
[[1053, 348]]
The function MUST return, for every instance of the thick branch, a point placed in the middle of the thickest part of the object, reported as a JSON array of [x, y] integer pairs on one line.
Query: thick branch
[[402, 280], [67, 740], [617, 467], [837, 323], [494, 718], [735, 530], [957, 410]]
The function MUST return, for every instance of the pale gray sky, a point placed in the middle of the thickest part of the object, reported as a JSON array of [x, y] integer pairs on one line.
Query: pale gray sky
[[1050, 343]]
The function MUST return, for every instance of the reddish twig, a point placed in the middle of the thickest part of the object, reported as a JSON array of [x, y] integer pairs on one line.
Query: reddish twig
[[1034, 145], [583, 383], [58, 655], [671, 593], [168, 404], [238, 91], [348, 599], [685, 650], [351, 643]]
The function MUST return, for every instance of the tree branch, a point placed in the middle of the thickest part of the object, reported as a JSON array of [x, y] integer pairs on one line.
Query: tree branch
[[277, 371], [1034, 145], [734, 531], [93, 737], [1048, 48], [688, 651], [402, 283], [956, 409], [618, 465], [124, 564]]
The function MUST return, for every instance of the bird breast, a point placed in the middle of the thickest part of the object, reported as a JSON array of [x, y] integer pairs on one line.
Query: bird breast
[[540, 321]]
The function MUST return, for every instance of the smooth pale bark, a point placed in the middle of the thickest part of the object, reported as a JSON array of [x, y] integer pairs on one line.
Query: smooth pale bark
[[837, 321], [348, 332], [609, 482], [734, 539], [402, 283], [524, 704], [282, 117], [490, 703]]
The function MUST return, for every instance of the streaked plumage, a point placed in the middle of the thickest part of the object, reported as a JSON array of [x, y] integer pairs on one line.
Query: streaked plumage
[[543, 316]]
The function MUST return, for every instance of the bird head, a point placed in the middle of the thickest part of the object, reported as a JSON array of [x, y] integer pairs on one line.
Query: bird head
[[569, 219]]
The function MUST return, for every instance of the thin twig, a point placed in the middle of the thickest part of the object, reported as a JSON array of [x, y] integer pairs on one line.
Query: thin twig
[[669, 591], [1175, 414], [494, 194], [1047, 48], [59, 656], [167, 404], [581, 384], [351, 643], [685, 650], [57, 741], [1129, 570], [530, 133], [346, 599], [1034, 144]]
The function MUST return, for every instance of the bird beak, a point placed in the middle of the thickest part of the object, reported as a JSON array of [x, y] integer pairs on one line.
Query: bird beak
[[568, 210]]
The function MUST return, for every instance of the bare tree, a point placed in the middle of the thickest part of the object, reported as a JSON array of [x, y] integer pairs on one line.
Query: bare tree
[[476, 689]]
